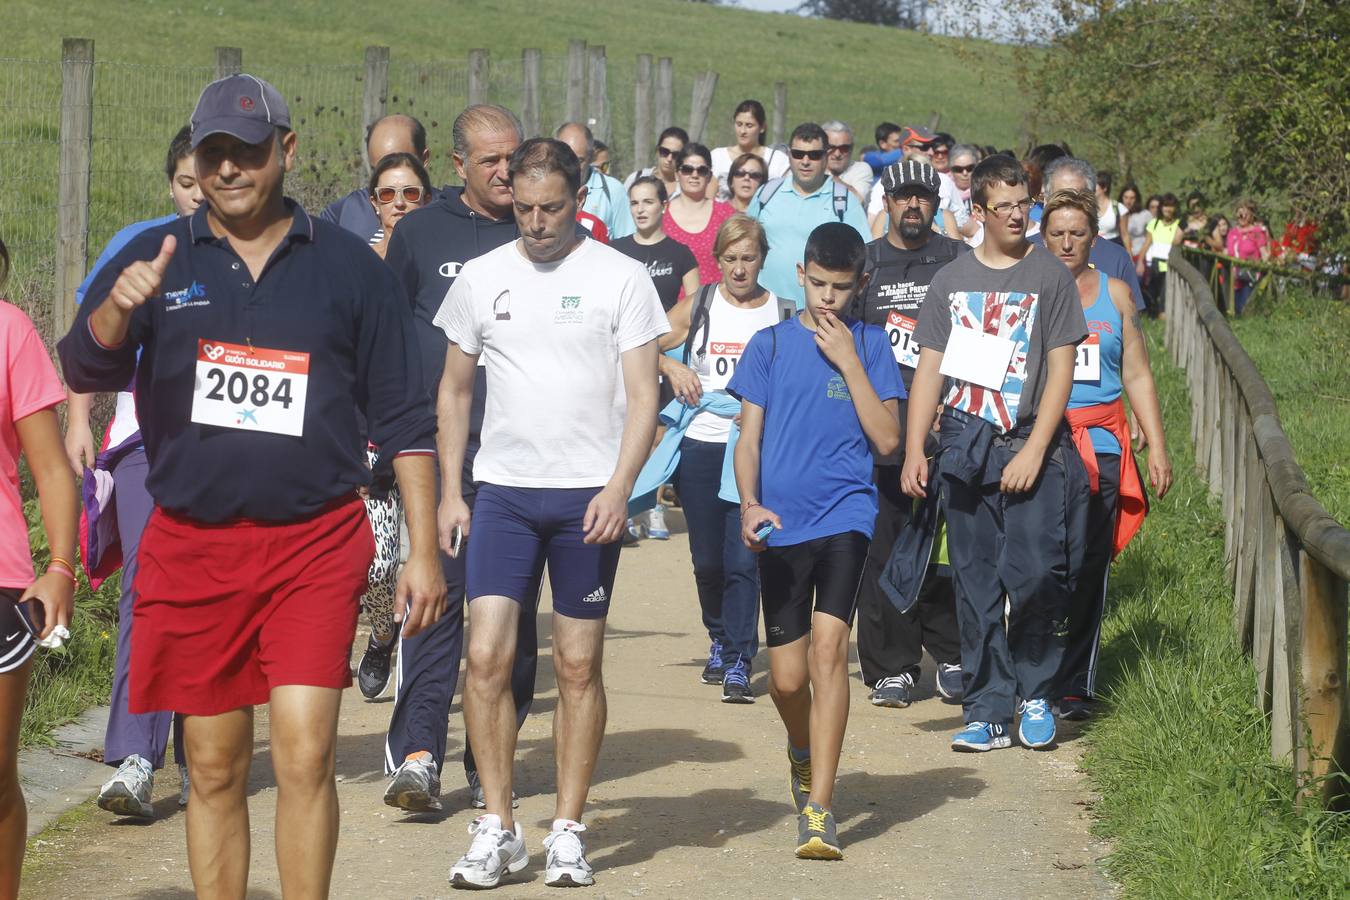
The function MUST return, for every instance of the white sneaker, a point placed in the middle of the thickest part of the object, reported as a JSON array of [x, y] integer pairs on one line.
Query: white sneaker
[[128, 792], [566, 864], [493, 853], [183, 786], [656, 524]]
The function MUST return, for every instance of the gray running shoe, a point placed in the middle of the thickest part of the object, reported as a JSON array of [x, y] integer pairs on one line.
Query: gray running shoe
[[415, 785], [799, 781], [566, 864], [893, 691], [372, 674], [128, 792], [476, 790], [494, 852], [816, 834], [183, 786]]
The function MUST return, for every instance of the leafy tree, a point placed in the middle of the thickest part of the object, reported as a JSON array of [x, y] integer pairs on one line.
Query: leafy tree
[[909, 14]]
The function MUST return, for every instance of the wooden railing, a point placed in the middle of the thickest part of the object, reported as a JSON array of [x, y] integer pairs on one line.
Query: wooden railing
[[1288, 560], [1222, 276]]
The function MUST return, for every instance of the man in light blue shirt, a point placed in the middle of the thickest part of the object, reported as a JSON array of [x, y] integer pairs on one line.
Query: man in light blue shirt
[[790, 208], [605, 197]]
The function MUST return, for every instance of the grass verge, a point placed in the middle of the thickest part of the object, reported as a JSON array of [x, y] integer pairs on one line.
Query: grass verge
[[1301, 344], [1189, 795]]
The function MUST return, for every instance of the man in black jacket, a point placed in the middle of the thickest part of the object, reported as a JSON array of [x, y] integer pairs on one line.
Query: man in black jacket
[[395, 133], [426, 253]]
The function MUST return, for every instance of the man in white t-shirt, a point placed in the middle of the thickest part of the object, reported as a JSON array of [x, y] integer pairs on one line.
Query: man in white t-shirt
[[567, 330]]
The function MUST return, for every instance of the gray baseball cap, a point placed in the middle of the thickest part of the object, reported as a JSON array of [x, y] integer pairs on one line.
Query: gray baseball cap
[[910, 173], [244, 106]]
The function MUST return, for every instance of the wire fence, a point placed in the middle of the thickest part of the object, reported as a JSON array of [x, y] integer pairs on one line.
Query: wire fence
[[136, 109]]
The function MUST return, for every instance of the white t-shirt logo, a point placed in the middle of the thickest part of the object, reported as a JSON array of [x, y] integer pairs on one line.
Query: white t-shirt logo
[[450, 269]]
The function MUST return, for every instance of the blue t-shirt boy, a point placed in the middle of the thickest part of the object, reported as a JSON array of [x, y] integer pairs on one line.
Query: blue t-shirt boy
[[816, 464]]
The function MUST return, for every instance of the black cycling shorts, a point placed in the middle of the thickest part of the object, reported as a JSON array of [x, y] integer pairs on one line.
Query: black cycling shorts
[[16, 644], [826, 570]]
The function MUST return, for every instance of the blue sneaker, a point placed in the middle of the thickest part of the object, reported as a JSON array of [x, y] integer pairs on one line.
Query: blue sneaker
[[979, 737], [736, 682], [712, 672], [949, 682], [1037, 728]]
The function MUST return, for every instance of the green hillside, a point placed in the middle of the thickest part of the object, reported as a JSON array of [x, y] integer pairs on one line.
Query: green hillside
[[861, 74]]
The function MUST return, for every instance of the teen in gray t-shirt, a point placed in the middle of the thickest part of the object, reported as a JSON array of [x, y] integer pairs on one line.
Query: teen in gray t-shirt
[[1034, 303]]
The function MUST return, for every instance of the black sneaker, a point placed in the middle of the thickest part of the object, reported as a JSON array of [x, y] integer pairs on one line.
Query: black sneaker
[[1076, 709], [372, 675], [893, 691], [736, 682], [714, 670]]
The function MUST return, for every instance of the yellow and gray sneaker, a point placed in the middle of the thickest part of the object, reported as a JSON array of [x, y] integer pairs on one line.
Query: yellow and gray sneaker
[[799, 779], [415, 785], [816, 834], [128, 792]]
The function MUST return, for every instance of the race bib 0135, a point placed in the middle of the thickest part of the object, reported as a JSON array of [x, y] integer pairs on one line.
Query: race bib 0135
[[250, 388]]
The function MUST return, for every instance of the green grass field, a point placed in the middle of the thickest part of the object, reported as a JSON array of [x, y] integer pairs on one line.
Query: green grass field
[[1190, 799], [1301, 344]]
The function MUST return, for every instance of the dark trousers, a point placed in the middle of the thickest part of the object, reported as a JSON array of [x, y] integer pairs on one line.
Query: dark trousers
[[725, 570], [1155, 289], [143, 734], [1078, 671], [1013, 580], [890, 643], [428, 672]]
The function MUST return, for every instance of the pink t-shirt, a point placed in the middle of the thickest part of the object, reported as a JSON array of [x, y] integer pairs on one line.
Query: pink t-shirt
[[701, 243], [28, 384], [1246, 243]]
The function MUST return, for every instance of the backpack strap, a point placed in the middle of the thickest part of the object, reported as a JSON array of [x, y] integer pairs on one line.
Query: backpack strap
[[840, 198], [768, 189], [698, 316]]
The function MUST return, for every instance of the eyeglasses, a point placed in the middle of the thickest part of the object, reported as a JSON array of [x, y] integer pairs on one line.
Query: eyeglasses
[[963, 170], [752, 174], [663, 152], [940, 151], [700, 171], [840, 148], [1004, 210], [816, 155], [411, 194], [904, 195]]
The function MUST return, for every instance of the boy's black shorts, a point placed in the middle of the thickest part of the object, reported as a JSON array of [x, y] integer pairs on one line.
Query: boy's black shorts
[[828, 569]]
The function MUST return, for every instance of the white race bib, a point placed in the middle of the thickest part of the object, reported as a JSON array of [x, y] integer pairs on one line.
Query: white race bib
[[250, 388], [977, 358], [1088, 363], [900, 330], [723, 356]]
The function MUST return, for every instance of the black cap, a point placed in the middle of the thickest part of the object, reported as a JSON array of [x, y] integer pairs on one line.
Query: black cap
[[241, 105], [910, 173]]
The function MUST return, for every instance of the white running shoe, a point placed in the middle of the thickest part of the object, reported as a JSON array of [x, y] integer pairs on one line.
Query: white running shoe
[[493, 853], [183, 786], [128, 792], [656, 524], [565, 864]]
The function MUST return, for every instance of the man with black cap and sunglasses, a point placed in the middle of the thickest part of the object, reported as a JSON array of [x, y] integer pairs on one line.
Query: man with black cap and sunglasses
[[900, 266], [791, 207], [261, 334]]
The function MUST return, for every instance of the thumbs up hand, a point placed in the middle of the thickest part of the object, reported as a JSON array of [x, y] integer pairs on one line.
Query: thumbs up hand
[[141, 280]]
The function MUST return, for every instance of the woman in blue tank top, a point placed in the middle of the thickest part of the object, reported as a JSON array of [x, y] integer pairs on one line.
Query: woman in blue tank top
[[1113, 358]]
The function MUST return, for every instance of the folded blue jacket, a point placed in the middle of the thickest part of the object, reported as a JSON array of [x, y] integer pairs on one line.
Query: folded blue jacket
[[665, 459]]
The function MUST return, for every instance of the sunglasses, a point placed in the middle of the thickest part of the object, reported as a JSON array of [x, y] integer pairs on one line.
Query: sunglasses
[[940, 151], [963, 170], [816, 155], [411, 194], [840, 148], [663, 152], [700, 171], [752, 174]]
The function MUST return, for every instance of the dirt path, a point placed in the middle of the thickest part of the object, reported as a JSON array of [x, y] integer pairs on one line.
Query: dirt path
[[690, 798]]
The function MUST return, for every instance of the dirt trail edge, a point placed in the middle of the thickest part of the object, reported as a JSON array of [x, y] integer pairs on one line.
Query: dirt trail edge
[[690, 796]]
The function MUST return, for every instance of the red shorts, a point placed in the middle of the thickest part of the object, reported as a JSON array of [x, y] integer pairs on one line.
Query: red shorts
[[224, 613]]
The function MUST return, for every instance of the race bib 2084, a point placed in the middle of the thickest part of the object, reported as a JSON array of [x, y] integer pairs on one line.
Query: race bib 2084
[[250, 388]]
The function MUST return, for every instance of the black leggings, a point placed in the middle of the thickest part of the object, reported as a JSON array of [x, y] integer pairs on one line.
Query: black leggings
[[826, 570]]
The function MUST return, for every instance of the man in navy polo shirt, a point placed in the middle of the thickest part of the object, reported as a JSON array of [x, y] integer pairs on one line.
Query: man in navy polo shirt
[[790, 209], [261, 334]]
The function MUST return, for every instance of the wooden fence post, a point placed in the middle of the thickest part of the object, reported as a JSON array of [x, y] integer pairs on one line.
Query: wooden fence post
[[597, 93], [778, 133], [576, 81], [531, 60], [76, 154], [643, 133], [1323, 687], [665, 92], [229, 61], [375, 93], [705, 86], [478, 76]]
